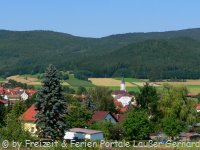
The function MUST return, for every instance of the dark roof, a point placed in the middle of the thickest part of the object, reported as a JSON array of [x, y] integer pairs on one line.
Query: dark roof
[[83, 130], [100, 116], [119, 92]]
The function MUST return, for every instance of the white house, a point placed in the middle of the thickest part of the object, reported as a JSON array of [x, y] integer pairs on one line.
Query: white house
[[83, 134], [24, 96]]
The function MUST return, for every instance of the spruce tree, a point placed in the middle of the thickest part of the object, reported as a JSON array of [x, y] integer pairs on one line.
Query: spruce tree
[[52, 108], [90, 104]]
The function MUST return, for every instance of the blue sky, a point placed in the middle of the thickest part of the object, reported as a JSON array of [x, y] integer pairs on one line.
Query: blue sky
[[97, 18]]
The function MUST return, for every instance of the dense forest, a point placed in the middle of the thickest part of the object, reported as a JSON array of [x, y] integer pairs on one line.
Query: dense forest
[[155, 55]]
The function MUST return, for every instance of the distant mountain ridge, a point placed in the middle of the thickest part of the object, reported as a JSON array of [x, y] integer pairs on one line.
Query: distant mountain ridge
[[131, 54]]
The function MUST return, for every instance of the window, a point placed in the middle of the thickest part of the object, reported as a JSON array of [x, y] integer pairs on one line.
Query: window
[[32, 129]]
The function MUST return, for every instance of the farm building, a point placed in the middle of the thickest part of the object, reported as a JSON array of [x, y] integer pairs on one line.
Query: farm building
[[83, 134]]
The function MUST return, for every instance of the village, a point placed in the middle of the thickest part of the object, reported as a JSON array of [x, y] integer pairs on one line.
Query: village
[[123, 101]]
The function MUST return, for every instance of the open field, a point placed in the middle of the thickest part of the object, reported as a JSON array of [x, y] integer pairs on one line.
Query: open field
[[2, 79], [133, 88], [132, 84], [107, 82], [30, 80], [76, 82], [132, 79], [22, 79]]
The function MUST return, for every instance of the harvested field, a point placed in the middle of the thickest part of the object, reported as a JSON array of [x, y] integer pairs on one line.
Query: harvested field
[[29, 80], [22, 79], [107, 82]]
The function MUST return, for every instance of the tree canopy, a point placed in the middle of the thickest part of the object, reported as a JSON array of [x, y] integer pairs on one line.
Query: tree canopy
[[51, 106]]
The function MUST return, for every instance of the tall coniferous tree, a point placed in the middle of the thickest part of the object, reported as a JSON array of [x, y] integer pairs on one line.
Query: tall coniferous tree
[[51, 106]]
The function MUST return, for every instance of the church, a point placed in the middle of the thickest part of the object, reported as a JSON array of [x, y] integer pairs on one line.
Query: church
[[122, 96]]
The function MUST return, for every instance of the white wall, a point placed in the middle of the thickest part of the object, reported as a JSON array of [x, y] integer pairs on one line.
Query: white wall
[[125, 100], [72, 135], [97, 136]]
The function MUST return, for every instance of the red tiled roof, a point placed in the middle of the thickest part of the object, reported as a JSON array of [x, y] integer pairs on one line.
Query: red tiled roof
[[1, 90], [8, 101], [29, 114], [16, 89], [192, 94], [30, 91], [100, 116], [123, 109], [4, 102], [198, 106], [120, 117]]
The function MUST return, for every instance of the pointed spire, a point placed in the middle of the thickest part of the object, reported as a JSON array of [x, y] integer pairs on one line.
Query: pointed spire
[[123, 81], [122, 86]]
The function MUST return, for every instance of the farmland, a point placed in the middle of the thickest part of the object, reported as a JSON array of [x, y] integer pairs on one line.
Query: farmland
[[108, 82], [132, 84]]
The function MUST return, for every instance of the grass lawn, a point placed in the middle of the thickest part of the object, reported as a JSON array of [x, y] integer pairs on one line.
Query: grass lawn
[[193, 88], [2, 80], [77, 82], [132, 88]]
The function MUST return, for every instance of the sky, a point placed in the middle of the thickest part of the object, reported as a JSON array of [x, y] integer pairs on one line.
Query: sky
[[99, 18]]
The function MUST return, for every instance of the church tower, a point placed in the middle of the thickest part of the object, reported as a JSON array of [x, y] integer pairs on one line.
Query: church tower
[[122, 85]]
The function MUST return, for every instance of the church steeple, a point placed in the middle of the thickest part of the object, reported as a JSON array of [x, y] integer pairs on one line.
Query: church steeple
[[122, 85]]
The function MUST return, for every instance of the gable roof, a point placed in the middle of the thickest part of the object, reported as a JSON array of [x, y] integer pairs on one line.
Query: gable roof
[[4, 102], [1, 90], [119, 92], [120, 117], [100, 116], [30, 91], [29, 114], [83, 130], [198, 106]]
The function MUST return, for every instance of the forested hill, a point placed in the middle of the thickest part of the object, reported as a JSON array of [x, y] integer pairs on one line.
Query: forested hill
[[174, 54]]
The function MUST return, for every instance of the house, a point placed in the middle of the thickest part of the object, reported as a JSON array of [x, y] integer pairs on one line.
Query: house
[[28, 118], [189, 136], [198, 107], [30, 92], [14, 94], [120, 117], [13, 98], [103, 116], [83, 134], [1, 90], [4, 102], [24, 96], [192, 94], [158, 136]]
